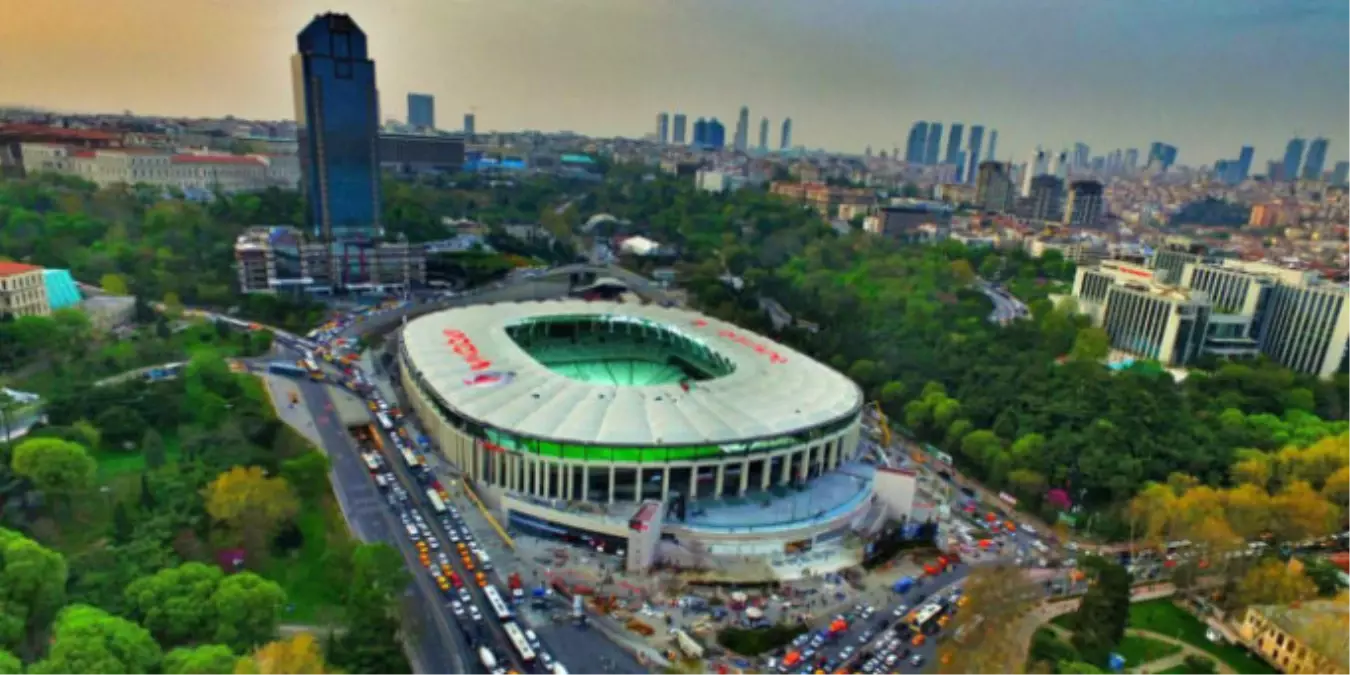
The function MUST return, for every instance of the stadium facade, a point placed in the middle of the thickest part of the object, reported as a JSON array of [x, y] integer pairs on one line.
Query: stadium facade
[[574, 416]]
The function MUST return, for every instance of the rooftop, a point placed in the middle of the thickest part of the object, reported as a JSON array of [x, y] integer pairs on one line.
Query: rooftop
[[12, 268], [770, 391]]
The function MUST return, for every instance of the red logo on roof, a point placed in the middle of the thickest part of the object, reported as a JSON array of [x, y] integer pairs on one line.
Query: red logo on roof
[[467, 350]]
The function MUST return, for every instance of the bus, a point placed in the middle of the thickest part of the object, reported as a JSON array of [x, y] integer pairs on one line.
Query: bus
[[517, 638], [436, 504], [498, 605], [312, 367], [413, 461], [923, 619], [383, 419], [285, 369]]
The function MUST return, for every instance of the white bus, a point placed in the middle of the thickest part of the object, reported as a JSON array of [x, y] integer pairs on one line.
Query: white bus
[[436, 504], [517, 638], [412, 460], [498, 605], [925, 616], [372, 460], [383, 419]]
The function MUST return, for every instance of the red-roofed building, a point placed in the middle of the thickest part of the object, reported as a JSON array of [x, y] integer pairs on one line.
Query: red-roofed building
[[186, 172], [23, 291]]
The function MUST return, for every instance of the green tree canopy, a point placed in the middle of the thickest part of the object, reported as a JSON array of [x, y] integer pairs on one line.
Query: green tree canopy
[[89, 640]]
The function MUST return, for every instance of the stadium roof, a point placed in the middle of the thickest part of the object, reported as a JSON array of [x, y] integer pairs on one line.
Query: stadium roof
[[764, 397]]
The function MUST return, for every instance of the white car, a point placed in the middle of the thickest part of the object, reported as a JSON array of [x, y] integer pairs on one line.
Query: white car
[[457, 607], [473, 612]]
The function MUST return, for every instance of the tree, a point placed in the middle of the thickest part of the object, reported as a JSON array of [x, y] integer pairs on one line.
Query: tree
[[298, 654], [89, 640], [980, 446], [176, 603], [962, 271], [308, 473], [200, 660], [892, 392], [250, 504], [248, 610], [1091, 344], [1099, 623], [114, 284], [1200, 665], [375, 579], [32, 586], [1298, 512], [1002, 593], [1078, 668], [58, 468], [152, 446], [10, 664], [1273, 582]]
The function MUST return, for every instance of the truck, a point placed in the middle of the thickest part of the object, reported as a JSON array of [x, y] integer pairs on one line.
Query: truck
[[903, 585], [489, 661], [578, 610], [513, 582]]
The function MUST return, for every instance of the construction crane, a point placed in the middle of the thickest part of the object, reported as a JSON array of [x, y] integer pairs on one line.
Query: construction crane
[[883, 424]]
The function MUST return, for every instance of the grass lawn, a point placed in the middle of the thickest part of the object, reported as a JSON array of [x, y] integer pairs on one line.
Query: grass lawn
[[1163, 617], [1139, 650], [115, 463], [304, 572]]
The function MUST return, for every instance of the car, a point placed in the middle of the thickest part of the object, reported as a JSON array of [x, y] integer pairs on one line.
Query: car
[[846, 653], [457, 607], [866, 637], [1028, 529], [900, 611], [801, 639], [808, 654], [890, 660], [916, 660], [474, 613], [545, 658], [464, 594], [531, 638]]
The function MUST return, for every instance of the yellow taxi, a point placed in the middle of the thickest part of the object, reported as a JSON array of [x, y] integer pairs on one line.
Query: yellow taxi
[[425, 560], [468, 563], [481, 579], [918, 640], [445, 569], [442, 583]]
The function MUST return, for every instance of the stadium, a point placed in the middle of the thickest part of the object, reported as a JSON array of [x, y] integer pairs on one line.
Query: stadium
[[568, 415]]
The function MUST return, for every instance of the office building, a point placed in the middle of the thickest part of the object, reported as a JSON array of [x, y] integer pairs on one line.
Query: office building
[[662, 128], [954, 144], [282, 260], [717, 134], [993, 145], [1341, 174], [1081, 155], [785, 140], [469, 130], [1141, 316], [1307, 326], [1243, 169], [1169, 262], [421, 111], [420, 154], [764, 134], [700, 133], [1161, 156], [907, 223], [1047, 198], [1299, 638], [337, 120], [1316, 160], [1131, 160], [973, 157], [1084, 204], [742, 138], [917, 144], [23, 291], [677, 136], [1059, 165], [1293, 159], [1038, 164], [994, 187], [1239, 301], [931, 152]]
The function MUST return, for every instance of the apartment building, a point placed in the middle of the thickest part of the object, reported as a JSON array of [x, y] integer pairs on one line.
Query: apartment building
[[23, 291], [279, 259], [824, 198], [1303, 638]]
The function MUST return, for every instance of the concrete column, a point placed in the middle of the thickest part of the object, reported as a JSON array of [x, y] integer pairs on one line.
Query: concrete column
[[585, 482], [787, 469], [693, 482], [764, 476], [498, 460], [547, 467], [832, 454], [665, 484], [806, 462], [538, 476], [611, 484], [745, 478], [637, 486], [721, 475]]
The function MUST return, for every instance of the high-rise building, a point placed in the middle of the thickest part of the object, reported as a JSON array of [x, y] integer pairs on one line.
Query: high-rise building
[[954, 143], [1341, 174], [1047, 198], [337, 120], [1038, 164], [1131, 160], [662, 128], [1084, 205], [785, 140], [973, 157], [468, 124], [917, 144], [742, 139], [678, 135], [1161, 156], [1316, 161], [994, 187], [764, 134], [1081, 153], [717, 134], [701, 133], [1293, 158], [931, 152], [1059, 166], [1243, 168], [422, 111], [993, 145]]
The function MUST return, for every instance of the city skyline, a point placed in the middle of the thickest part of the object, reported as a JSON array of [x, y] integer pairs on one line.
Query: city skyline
[[1185, 75]]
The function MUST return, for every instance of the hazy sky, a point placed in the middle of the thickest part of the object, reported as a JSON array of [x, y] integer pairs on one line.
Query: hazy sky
[[1205, 75]]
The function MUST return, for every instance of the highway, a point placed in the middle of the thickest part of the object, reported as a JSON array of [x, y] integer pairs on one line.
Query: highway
[[1006, 307]]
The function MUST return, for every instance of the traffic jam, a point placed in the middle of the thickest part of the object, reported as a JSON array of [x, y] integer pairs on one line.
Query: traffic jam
[[446, 548]]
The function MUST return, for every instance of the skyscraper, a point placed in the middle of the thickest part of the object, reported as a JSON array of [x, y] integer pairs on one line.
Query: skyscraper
[[973, 157], [1084, 206], [1341, 173], [1161, 156], [764, 134], [337, 120], [678, 135], [1131, 160], [662, 128], [954, 144], [1047, 198], [994, 187], [700, 132], [993, 143], [1316, 161], [785, 141], [1038, 164], [931, 151], [1060, 165], [917, 143], [717, 134], [1293, 157], [1243, 168], [468, 124], [422, 111], [742, 140]]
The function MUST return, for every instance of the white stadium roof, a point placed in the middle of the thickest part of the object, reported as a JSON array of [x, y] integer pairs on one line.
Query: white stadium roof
[[763, 397]]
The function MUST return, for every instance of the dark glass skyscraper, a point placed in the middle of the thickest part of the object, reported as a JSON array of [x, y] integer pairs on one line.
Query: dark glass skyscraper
[[717, 134], [785, 140], [1316, 160], [421, 111], [973, 157], [337, 115], [677, 134], [954, 143], [931, 151], [1243, 168], [1293, 157], [917, 144]]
